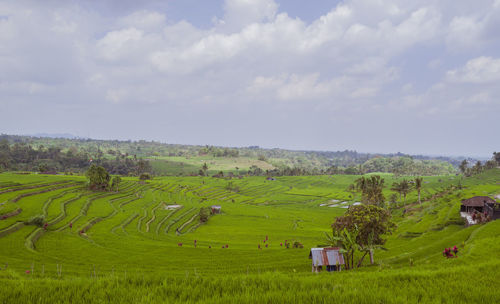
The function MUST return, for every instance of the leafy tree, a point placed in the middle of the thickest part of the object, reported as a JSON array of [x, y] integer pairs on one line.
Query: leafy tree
[[115, 182], [371, 189], [403, 188], [204, 214], [478, 168], [205, 169], [418, 186], [43, 167], [490, 164], [98, 178], [496, 157], [360, 184], [143, 167], [366, 224], [145, 176]]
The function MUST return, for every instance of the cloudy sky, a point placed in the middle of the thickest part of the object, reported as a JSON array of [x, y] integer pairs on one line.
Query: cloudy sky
[[371, 75]]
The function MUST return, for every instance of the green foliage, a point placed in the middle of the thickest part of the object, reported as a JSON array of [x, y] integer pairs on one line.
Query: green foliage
[[129, 249], [115, 183], [136, 157], [204, 214], [145, 176], [37, 220], [364, 225], [232, 187], [402, 187], [98, 178], [371, 189]]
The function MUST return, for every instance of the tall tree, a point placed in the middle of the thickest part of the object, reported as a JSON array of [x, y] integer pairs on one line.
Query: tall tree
[[373, 192], [463, 166], [115, 183], [367, 224], [361, 184], [405, 188], [98, 178], [478, 168], [418, 187], [496, 157], [204, 168]]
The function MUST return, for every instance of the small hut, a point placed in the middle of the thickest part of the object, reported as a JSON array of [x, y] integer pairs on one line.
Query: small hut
[[329, 257], [476, 203], [216, 209]]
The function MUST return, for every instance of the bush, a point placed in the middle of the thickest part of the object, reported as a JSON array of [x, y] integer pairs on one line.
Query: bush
[[204, 214], [37, 220], [145, 176]]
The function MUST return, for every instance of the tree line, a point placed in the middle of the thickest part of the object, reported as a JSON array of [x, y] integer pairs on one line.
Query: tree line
[[23, 157], [478, 167]]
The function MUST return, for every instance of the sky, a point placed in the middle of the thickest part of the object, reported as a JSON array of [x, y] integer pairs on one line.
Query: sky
[[419, 77]]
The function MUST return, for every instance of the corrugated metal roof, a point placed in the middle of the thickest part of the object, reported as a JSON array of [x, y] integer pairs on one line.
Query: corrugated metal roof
[[326, 256]]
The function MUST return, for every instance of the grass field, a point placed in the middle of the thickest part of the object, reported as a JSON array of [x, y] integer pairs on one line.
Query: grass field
[[123, 246], [175, 165]]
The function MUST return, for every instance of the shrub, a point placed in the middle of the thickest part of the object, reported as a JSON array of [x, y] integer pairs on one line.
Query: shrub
[[37, 220], [204, 214], [145, 176]]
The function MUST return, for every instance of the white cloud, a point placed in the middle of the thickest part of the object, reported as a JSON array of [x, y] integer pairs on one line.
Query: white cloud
[[478, 70], [117, 44], [143, 20], [390, 57], [240, 13]]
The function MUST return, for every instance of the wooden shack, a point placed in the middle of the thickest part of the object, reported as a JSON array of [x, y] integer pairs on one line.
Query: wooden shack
[[216, 209], [329, 257], [476, 203]]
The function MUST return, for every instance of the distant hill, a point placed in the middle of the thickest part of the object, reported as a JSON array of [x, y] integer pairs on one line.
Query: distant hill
[[55, 135]]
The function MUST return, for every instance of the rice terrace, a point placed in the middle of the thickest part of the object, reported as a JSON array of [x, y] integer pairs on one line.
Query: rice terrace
[[237, 238], [237, 151]]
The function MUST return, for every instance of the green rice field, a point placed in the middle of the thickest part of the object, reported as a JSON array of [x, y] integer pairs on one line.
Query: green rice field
[[132, 246]]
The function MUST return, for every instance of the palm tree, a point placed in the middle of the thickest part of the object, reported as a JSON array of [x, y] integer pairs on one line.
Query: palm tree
[[373, 190], [405, 188], [418, 187], [463, 166], [478, 168], [204, 168]]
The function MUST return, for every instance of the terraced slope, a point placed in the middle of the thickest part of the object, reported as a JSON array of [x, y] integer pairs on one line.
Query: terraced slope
[[132, 233]]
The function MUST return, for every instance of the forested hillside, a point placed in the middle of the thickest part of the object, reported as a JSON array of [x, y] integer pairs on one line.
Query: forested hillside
[[45, 154]]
